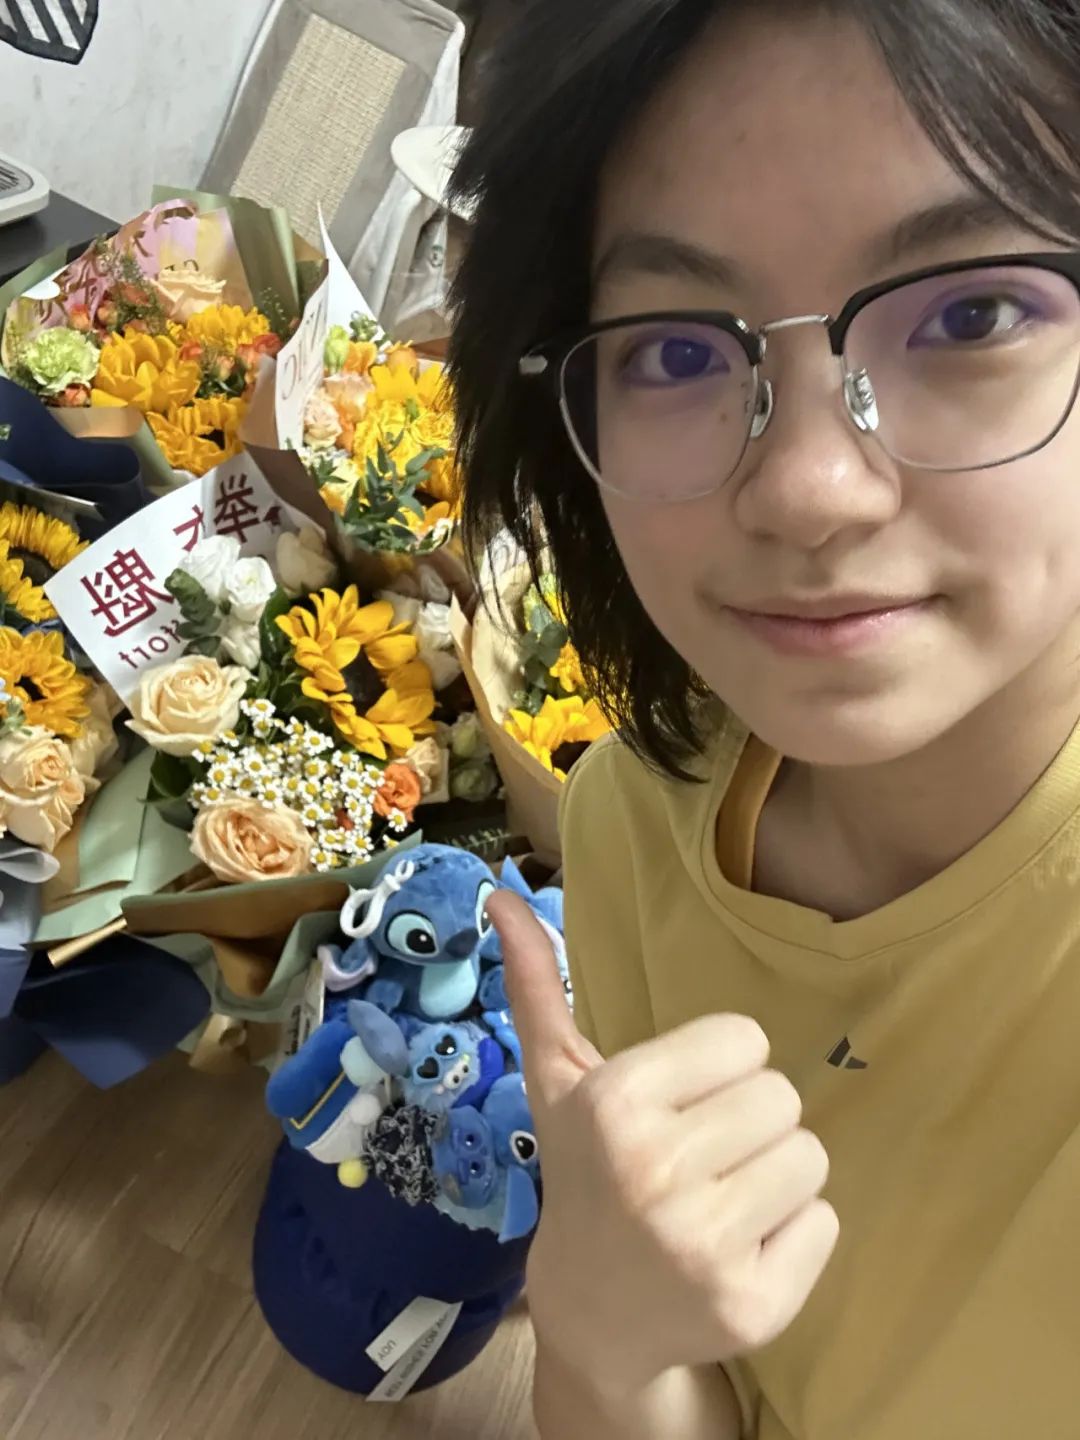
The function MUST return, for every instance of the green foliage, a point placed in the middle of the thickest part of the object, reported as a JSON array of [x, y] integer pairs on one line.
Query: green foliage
[[273, 642], [171, 777], [542, 642], [201, 617], [367, 330], [375, 511]]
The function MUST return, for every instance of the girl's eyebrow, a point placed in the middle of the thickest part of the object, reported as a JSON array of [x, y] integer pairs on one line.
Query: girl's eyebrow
[[959, 217], [639, 252], [965, 216]]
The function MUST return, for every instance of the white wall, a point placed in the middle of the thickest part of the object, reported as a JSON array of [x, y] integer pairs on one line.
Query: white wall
[[145, 104]]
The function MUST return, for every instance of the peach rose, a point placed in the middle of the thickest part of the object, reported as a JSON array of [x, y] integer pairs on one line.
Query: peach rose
[[96, 742], [40, 788], [179, 705], [401, 789], [241, 839]]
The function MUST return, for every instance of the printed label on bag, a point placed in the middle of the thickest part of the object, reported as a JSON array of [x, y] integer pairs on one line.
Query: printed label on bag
[[112, 596], [402, 1334], [302, 1012], [407, 1372]]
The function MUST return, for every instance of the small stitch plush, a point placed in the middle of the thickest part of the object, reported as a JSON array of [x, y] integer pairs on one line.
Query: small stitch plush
[[330, 1094], [486, 1163], [419, 932]]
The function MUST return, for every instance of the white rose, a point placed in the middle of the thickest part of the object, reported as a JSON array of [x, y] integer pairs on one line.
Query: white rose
[[179, 705], [303, 562], [406, 609], [211, 563], [433, 588], [432, 630], [248, 586], [241, 642]]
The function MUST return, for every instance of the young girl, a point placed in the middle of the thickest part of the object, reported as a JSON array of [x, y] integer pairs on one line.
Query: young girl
[[770, 327]]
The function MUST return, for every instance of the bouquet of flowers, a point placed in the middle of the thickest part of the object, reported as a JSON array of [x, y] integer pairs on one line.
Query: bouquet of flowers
[[530, 693], [157, 334], [378, 439], [285, 730], [56, 730]]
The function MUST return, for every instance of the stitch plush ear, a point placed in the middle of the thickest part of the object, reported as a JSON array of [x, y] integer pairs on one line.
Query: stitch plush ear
[[380, 1037], [522, 1211], [511, 878]]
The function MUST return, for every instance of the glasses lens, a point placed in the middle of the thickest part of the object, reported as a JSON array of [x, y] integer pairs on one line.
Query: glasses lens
[[660, 409], [969, 369]]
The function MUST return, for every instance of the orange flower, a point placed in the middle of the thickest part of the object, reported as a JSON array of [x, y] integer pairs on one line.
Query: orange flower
[[360, 357], [400, 790]]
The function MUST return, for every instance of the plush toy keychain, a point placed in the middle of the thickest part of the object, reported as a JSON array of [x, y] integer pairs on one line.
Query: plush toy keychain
[[417, 935]]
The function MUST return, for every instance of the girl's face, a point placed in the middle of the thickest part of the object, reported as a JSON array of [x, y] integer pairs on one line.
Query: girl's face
[[779, 174]]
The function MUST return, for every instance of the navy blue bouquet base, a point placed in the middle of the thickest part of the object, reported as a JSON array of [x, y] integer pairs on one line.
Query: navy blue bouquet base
[[334, 1267]]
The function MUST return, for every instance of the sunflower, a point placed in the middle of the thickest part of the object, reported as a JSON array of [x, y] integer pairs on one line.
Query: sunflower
[[400, 716], [225, 327], [39, 676], [18, 594], [199, 436], [38, 540], [560, 722], [145, 371], [327, 641]]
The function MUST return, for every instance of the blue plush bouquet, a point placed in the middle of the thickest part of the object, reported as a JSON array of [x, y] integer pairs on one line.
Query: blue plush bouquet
[[411, 1169]]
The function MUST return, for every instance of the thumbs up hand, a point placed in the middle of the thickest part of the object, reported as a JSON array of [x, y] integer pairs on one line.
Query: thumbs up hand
[[682, 1221]]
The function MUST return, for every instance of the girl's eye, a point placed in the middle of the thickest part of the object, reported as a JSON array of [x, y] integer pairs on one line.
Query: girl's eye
[[972, 320], [671, 360]]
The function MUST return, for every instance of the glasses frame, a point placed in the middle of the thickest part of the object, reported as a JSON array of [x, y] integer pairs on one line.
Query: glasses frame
[[547, 362]]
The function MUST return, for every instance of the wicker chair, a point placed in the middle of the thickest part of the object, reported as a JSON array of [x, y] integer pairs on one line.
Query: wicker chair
[[328, 86]]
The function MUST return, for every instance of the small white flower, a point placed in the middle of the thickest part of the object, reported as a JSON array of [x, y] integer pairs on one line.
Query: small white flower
[[322, 859], [316, 768]]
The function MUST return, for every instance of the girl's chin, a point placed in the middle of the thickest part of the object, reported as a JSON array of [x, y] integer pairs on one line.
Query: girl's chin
[[852, 735]]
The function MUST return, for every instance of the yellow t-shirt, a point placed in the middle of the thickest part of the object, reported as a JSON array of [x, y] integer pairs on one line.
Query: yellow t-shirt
[[936, 1045]]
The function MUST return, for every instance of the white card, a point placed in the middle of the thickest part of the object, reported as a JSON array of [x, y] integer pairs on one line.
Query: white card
[[300, 362], [112, 597]]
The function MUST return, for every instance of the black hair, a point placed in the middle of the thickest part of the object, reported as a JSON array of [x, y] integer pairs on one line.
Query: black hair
[[995, 84]]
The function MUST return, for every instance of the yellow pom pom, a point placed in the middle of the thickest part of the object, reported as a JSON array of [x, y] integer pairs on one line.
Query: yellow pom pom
[[352, 1174]]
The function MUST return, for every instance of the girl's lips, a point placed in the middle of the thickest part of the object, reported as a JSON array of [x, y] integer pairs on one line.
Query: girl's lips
[[838, 635]]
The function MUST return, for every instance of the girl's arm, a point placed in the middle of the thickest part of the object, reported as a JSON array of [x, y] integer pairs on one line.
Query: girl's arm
[[682, 1404]]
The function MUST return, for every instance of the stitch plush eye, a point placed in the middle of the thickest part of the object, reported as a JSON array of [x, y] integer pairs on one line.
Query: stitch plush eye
[[446, 1046], [483, 895], [411, 934], [523, 1145]]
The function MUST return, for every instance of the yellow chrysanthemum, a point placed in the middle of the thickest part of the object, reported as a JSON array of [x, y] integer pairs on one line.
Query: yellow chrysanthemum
[[198, 436], [38, 674], [567, 670], [560, 722], [30, 531], [410, 411], [224, 327], [18, 593], [145, 371]]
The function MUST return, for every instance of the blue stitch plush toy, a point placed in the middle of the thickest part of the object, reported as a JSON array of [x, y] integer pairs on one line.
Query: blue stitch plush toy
[[330, 1094], [486, 1163], [419, 933]]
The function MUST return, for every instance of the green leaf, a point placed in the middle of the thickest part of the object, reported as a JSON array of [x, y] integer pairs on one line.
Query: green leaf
[[171, 777], [195, 604], [210, 646], [273, 642], [420, 462]]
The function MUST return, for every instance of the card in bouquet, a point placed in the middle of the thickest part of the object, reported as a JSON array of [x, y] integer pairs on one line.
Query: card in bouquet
[[112, 596]]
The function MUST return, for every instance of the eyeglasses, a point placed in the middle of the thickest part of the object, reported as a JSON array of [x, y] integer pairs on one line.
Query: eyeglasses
[[964, 367]]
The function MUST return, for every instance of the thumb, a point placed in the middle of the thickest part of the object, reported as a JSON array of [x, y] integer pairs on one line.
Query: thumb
[[556, 1054]]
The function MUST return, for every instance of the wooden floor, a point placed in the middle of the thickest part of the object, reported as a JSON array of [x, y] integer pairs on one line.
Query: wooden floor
[[125, 1301]]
